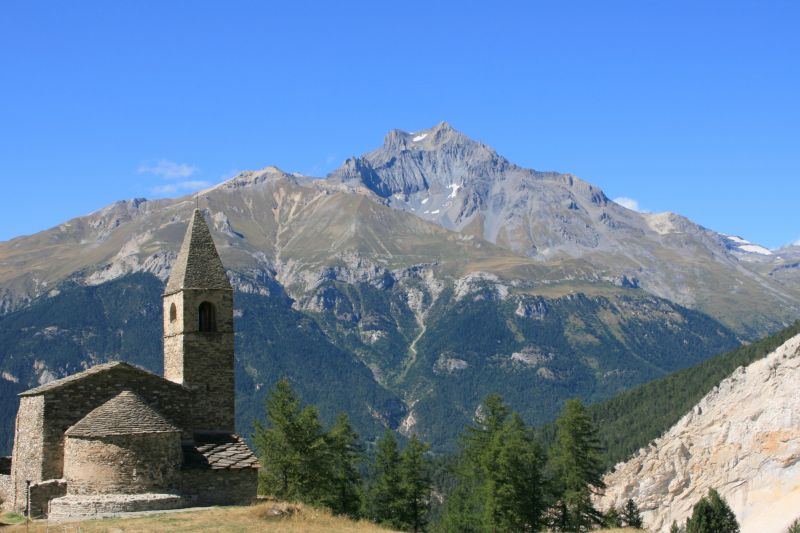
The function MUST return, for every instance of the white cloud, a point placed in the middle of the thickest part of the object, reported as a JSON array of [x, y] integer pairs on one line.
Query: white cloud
[[172, 188], [167, 169], [629, 203], [796, 243]]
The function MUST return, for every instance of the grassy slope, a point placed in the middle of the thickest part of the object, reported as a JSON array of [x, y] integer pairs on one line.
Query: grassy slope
[[222, 519], [226, 519]]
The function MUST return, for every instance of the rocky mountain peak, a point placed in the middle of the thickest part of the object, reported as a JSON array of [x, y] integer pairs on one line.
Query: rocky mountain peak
[[413, 162], [250, 178]]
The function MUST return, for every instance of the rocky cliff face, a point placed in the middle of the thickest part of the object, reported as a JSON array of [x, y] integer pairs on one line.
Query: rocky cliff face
[[443, 176], [742, 439], [433, 196]]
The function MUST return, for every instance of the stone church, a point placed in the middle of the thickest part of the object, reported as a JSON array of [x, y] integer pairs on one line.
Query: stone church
[[119, 438]]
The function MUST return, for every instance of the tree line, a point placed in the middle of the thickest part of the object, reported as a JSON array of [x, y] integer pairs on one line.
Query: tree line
[[501, 480], [304, 462]]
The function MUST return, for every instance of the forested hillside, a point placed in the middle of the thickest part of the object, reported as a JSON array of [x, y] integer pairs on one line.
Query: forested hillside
[[369, 351], [634, 418]]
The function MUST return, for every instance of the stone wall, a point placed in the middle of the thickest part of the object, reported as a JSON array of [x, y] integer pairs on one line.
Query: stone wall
[[5, 480], [5, 490], [42, 493], [220, 487], [122, 464], [68, 404], [27, 457], [70, 507], [202, 361]]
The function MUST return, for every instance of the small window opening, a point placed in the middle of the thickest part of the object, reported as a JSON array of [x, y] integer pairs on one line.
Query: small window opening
[[173, 313], [208, 317]]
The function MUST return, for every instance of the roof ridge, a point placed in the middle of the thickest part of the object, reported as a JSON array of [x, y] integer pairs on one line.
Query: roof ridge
[[198, 265], [124, 414], [96, 369]]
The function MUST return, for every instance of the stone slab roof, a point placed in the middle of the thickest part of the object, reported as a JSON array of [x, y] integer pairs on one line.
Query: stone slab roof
[[124, 414], [198, 265], [219, 452], [97, 369]]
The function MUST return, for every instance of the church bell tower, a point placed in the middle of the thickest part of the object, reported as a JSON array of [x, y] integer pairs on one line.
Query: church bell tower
[[198, 329]]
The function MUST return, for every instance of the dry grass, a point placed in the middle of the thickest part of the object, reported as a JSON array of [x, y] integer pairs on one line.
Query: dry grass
[[264, 517], [270, 517]]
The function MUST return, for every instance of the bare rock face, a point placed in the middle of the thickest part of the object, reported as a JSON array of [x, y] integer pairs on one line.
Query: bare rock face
[[742, 439]]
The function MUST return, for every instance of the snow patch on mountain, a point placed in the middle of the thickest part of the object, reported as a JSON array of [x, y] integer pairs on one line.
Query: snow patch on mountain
[[741, 245]]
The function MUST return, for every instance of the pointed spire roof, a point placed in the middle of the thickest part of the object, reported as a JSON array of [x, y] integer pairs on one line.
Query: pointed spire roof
[[198, 265], [124, 414]]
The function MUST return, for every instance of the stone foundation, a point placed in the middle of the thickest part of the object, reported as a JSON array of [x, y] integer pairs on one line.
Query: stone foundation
[[97, 506], [220, 487]]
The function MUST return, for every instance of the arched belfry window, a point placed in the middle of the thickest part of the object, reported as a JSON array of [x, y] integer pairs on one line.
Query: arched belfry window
[[173, 313], [208, 317]]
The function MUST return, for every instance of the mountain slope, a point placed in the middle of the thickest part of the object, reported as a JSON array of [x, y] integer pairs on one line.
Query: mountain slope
[[742, 439], [121, 320], [634, 418], [421, 316], [441, 175]]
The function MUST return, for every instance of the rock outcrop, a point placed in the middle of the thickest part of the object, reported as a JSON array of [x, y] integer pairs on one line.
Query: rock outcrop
[[742, 439]]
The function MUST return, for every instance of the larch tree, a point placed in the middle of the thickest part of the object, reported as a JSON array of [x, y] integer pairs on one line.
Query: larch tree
[[384, 497], [578, 470], [345, 496], [415, 486]]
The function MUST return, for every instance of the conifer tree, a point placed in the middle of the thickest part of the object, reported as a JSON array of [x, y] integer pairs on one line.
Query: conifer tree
[[514, 487], [712, 515], [464, 508], [578, 470], [631, 517], [674, 527], [385, 492], [500, 481], [292, 448], [415, 487], [345, 496], [612, 518]]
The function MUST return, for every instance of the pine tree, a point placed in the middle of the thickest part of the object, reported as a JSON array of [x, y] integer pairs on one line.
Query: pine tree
[[795, 527], [674, 527], [385, 492], [631, 517], [460, 509], [292, 448], [712, 515], [576, 462], [499, 477], [464, 508], [415, 487], [612, 518], [345, 495], [514, 486]]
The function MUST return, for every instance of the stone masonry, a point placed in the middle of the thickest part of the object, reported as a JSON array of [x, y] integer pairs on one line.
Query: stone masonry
[[198, 357], [116, 437]]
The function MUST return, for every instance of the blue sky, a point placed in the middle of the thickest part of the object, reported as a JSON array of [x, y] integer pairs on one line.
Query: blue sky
[[690, 107]]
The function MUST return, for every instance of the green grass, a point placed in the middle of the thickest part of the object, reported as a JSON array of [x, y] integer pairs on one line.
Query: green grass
[[10, 519]]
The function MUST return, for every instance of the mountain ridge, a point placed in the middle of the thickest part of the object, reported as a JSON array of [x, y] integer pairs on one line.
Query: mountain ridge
[[429, 318]]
